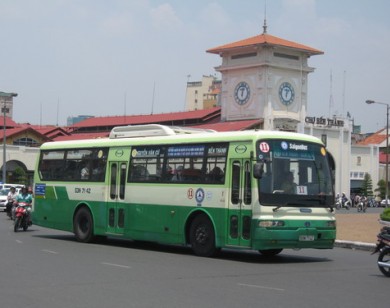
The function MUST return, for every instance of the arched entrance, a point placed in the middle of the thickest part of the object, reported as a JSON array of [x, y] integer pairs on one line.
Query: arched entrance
[[16, 172]]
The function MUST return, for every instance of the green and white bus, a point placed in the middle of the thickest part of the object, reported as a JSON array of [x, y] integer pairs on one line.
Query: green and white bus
[[208, 190]]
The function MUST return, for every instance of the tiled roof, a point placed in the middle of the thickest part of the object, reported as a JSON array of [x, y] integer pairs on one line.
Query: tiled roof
[[219, 126], [264, 39], [17, 130], [82, 136], [231, 125], [377, 138], [8, 122], [201, 115]]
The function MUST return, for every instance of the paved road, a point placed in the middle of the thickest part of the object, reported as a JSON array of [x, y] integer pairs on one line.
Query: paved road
[[47, 268], [353, 210]]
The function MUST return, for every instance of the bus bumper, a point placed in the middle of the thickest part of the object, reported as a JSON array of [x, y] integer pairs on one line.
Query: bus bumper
[[267, 238]]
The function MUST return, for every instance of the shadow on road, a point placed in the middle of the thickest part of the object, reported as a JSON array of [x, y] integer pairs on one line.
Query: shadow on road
[[247, 256]]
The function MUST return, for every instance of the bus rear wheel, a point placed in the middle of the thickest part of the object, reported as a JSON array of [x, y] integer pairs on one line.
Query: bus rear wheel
[[270, 252], [202, 237], [83, 225]]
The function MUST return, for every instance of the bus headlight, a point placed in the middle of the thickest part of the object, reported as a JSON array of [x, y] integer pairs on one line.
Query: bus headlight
[[271, 223], [331, 224]]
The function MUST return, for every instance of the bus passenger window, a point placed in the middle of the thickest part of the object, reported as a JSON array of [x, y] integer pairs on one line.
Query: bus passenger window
[[139, 173], [216, 175]]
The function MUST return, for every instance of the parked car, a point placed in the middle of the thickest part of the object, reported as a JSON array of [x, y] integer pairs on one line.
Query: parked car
[[4, 194], [3, 198], [383, 203], [8, 185]]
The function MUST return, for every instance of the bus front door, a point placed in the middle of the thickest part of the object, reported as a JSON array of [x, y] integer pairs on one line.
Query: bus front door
[[116, 209], [240, 201]]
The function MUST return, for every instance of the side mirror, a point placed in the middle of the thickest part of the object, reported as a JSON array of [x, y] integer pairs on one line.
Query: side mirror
[[258, 170]]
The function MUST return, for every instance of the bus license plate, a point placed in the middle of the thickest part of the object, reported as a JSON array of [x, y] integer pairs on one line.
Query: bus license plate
[[306, 238]]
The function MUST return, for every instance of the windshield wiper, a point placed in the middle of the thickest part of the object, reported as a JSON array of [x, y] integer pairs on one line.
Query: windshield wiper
[[302, 203], [285, 204]]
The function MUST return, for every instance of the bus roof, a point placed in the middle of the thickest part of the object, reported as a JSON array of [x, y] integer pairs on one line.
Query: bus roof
[[182, 138]]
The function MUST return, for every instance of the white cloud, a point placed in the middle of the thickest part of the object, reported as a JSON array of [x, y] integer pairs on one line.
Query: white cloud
[[214, 15], [118, 24], [164, 16]]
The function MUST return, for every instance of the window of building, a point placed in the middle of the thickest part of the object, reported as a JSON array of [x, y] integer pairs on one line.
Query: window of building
[[28, 142], [285, 56]]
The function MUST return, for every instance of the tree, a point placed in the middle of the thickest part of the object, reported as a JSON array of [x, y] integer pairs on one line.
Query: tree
[[19, 176], [381, 189], [367, 186]]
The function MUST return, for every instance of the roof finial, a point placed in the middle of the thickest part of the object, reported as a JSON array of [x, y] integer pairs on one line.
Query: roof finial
[[265, 17]]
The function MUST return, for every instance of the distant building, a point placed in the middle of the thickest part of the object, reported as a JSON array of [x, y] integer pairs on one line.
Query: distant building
[[73, 120], [6, 101], [264, 85], [203, 94]]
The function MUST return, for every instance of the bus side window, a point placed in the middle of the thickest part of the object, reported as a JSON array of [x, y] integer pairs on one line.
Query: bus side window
[[216, 175], [139, 173]]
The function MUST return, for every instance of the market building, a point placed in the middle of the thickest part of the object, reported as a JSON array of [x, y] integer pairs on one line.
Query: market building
[[264, 85]]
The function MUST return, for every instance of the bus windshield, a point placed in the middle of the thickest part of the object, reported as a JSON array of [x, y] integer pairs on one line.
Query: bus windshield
[[294, 173]]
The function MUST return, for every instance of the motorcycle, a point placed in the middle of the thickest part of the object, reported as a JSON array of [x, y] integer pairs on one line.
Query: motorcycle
[[22, 216], [342, 204], [383, 247], [362, 205]]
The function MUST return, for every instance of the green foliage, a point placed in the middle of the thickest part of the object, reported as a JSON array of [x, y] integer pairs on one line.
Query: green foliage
[[381, 188], [386, 214], [367, 185], [19, 176]]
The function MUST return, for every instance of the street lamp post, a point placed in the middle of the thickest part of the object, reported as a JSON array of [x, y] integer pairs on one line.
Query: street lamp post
[[387, 144], [4, 109]]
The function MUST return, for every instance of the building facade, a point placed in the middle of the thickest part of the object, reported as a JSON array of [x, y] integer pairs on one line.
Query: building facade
[[266, 77], [203, 94], [264, 84]]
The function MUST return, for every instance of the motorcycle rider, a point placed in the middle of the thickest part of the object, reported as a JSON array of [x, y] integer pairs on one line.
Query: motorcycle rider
[[11, 198], [24, 197], [344, 199]]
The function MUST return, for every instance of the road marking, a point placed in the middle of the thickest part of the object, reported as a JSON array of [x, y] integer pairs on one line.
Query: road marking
[[50, 251], [116, 265], [260, 287], [19, 241]]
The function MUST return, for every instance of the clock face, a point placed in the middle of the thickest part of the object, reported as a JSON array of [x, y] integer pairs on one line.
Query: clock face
[[286, 93], [242, 93]]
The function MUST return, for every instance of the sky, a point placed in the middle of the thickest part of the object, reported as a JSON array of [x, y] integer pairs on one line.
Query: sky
[[114, 57]]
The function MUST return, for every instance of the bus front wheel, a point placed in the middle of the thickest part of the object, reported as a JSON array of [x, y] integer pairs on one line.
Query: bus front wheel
[[83, 225], [202, 237]]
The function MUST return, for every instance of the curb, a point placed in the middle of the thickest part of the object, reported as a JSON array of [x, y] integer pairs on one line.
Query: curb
[[355, 245]]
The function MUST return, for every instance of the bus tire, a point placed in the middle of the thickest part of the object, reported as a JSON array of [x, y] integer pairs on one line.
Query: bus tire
[[270, 252], [83, 225], [202, 237]]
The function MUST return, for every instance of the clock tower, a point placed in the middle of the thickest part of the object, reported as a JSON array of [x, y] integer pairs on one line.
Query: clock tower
[[265, 77]]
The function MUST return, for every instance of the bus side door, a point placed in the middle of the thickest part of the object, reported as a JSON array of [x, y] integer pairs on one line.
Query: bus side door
[[116, 197], [240, 203]]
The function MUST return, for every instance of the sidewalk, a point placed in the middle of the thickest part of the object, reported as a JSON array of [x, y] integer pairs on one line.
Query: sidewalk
[[357, 231]]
